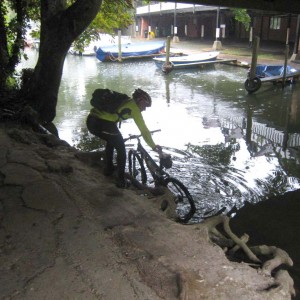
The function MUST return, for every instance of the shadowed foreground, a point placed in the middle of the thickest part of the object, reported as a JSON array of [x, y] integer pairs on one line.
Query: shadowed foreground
[[68, 233]]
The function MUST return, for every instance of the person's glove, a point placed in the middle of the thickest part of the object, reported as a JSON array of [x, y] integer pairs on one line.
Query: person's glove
[[158, 148]]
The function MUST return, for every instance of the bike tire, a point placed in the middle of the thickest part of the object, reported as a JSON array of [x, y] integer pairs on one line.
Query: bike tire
[[136, 167], [184, 201]]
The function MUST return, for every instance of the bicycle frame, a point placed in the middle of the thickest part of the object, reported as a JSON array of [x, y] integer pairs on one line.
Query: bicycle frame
[[156, 170], [181, 196]]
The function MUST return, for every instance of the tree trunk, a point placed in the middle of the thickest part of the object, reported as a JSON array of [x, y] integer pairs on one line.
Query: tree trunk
[[60, 26]]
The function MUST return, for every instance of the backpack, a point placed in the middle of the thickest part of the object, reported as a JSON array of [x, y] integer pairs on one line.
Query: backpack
[[108, 100]]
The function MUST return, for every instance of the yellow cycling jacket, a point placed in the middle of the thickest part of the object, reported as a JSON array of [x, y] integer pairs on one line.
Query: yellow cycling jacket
[[128, 110]]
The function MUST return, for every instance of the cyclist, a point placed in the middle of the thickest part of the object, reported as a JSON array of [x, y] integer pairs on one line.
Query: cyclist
[[104, 125]]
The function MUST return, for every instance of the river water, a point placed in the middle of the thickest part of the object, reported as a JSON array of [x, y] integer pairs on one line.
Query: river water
[[228, 147]]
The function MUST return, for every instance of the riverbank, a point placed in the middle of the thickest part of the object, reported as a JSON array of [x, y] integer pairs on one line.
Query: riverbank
[[268, 52], [68, 233]]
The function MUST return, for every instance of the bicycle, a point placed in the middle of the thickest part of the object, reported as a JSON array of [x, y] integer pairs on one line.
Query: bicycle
[[139, 157]]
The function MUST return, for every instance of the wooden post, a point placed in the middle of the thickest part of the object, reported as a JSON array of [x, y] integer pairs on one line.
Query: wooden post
[[167, 66], [285, 65], [168, 46], [119, 46], [288, 30], [217, 45], [251, 29], [254, 57], [253, 83]]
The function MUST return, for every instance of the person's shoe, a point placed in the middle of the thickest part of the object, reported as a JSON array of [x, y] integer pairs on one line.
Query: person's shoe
[[122, 183], [109, 170]]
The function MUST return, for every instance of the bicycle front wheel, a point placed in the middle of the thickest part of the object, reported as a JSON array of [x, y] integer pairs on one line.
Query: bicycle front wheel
[[184, 201], [136, 167]]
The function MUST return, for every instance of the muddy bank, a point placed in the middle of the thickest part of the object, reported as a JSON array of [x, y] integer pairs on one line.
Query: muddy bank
[[68, 233]]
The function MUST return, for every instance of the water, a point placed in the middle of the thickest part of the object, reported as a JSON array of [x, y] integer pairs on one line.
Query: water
[[228, 147]]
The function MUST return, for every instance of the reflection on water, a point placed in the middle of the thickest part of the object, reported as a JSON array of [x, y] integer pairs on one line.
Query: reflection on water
[[228, 147]]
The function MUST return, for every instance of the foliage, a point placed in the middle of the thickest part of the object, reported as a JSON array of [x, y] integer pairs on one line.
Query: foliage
[[242, 16], [113, 15], [13, 22], [15, 16]]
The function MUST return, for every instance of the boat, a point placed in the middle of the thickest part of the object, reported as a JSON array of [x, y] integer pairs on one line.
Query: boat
[[88, 51], [186, 61], [130, 51], [270, 73], [263, 71]]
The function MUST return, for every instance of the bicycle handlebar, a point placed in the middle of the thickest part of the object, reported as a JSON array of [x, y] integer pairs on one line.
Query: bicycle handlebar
[[139, 135]]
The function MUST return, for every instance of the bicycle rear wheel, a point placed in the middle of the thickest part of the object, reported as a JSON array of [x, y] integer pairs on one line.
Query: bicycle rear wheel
[[184, 201], [136, 167]]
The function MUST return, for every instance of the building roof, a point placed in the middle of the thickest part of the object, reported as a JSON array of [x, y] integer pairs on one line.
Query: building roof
[[169, 7]]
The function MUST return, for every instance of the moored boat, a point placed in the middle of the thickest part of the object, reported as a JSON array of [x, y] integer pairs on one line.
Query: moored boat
[[130, 51], [263, 71], [270, 73], [187, 61], [88, 51]]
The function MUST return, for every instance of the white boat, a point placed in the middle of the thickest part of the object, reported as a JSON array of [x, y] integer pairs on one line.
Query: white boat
[[88, 51], [186, 61]]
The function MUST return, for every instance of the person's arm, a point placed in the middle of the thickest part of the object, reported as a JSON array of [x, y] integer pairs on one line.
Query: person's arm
[[139, 121]]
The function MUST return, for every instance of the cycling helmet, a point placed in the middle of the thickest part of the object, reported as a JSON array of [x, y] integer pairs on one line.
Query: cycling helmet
[[139, 95]]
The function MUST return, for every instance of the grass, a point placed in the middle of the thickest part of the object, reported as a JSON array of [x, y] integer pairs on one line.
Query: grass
[[248, 53]]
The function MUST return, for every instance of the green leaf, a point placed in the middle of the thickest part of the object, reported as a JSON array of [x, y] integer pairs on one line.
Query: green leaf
[[242, 16]]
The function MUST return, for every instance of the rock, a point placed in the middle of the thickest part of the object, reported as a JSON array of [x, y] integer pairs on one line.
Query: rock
[[26, 157], [17, 174], [45, 195]]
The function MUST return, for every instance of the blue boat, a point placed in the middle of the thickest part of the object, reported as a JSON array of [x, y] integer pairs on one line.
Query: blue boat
[[270, 73], [130, 51], [263, 71]]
